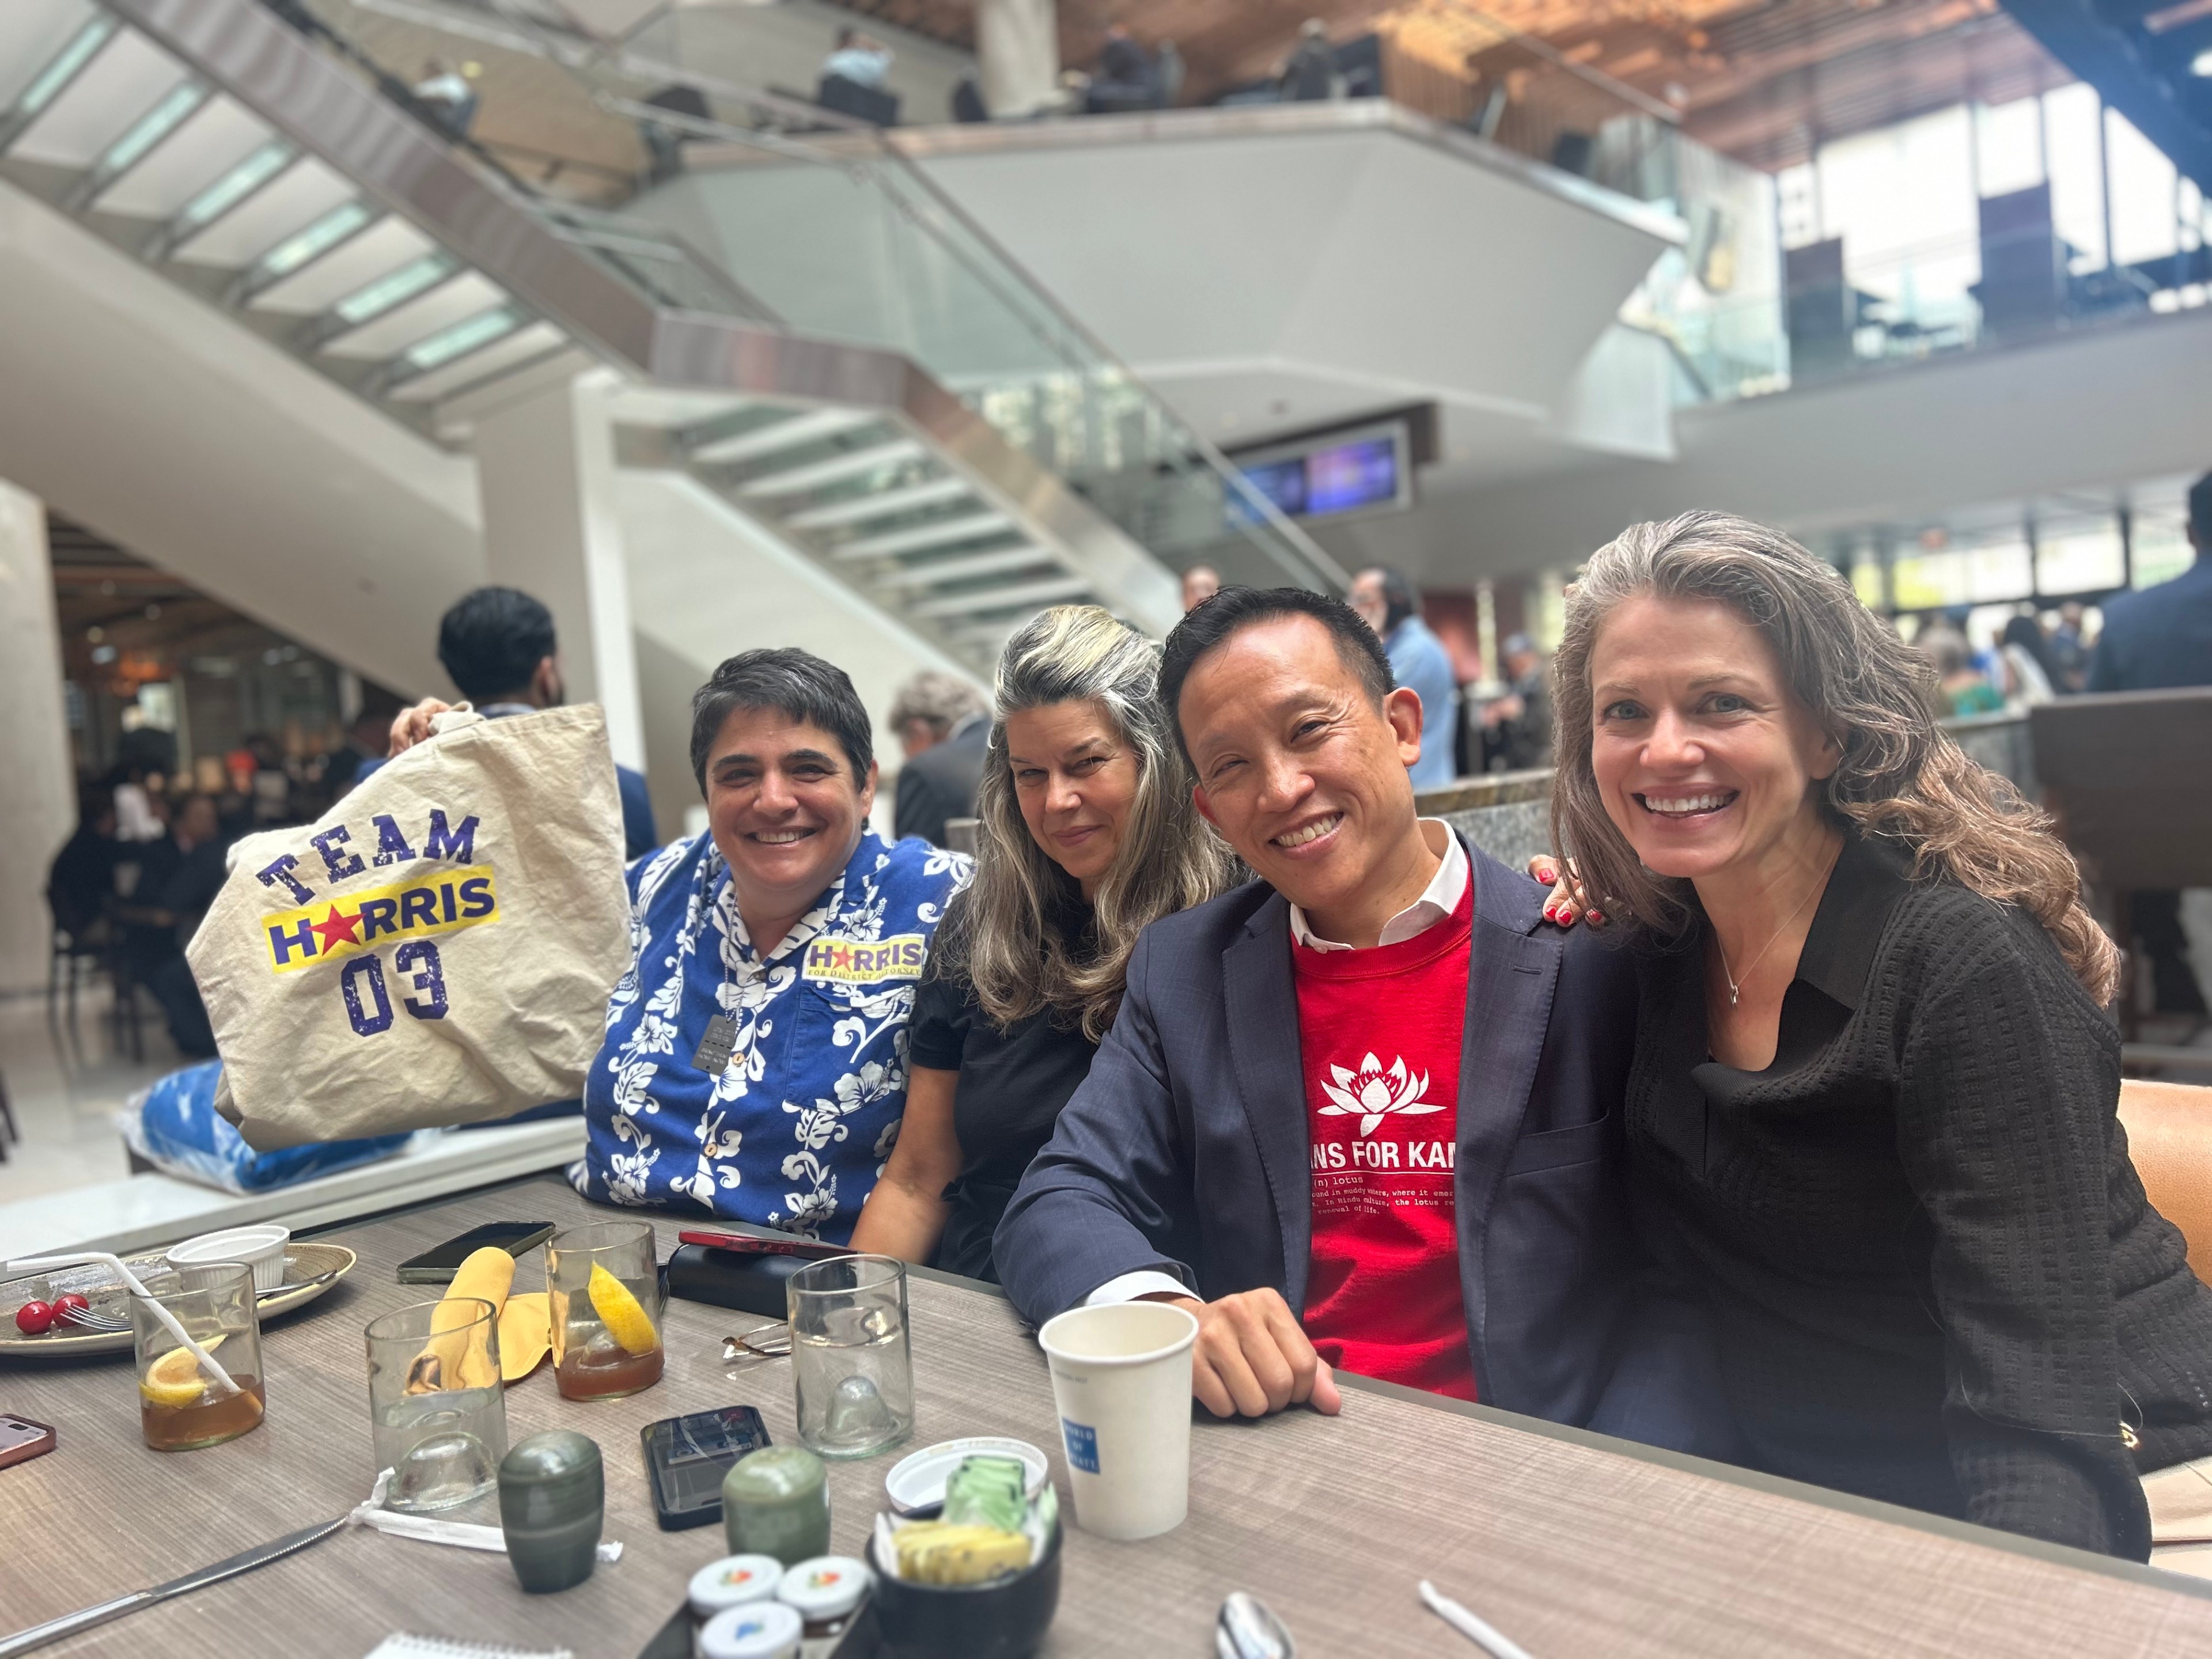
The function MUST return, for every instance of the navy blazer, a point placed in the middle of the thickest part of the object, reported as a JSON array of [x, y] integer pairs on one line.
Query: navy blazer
[[1185, 1149]]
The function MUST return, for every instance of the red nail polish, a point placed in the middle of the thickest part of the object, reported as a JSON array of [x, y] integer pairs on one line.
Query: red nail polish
[[1551, 916], [1547, 876], [1595, 917]]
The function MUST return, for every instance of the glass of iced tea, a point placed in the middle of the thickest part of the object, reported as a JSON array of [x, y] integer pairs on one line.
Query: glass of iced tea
[[604, 1284], [182, 1404]]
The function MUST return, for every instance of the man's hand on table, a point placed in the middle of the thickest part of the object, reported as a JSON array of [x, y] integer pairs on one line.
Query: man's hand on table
[[1252, 1358]]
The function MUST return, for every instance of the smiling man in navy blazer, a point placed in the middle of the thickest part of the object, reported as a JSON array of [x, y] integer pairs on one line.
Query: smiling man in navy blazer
[[1362, 1111]]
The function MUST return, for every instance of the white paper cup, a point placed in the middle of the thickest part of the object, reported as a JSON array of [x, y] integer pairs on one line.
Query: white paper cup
[[1121, 1376]]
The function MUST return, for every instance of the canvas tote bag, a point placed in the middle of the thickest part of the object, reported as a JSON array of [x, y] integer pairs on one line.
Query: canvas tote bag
[[436, 949]]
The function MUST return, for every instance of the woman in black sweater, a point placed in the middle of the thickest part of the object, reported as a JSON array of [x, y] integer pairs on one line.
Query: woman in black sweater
[[1872, 1118], [1088, 834]]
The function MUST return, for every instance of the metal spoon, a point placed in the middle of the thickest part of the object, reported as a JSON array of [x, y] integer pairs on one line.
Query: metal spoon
[[1247, 1629]]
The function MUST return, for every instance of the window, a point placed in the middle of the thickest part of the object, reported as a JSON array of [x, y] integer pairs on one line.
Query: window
[[2141, 181], [2076, 160], [2008, 146], [2079, 558], [2162, 550]]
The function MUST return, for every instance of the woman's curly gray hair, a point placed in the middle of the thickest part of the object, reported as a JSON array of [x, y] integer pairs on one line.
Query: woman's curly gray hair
[[1901, 775], [1000, 931]]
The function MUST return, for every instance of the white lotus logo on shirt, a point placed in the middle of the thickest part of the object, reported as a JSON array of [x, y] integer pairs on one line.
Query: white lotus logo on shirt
[[1371, 1094]]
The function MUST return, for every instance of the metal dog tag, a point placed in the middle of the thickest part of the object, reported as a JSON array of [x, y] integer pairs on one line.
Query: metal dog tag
[[714, 1048]]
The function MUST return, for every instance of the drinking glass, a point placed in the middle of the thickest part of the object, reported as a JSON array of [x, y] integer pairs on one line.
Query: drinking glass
[[181, 1406], [603, 1285], [437, 1408], [850, 1360]]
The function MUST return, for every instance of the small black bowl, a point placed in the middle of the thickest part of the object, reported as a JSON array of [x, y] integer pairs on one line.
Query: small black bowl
[[1005, 1618]]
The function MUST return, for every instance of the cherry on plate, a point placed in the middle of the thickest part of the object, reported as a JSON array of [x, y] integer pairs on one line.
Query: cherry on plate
[[68, 1305], [33, 1318]]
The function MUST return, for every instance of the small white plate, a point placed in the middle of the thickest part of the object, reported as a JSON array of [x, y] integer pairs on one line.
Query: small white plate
[[917, 1482]]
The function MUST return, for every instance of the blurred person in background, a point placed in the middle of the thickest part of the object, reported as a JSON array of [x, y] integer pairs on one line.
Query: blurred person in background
[[1200, 583], [1386, 600], [943, 730], [179, 877], [1965, 688], [2031, 673], [367, 739], [2071, 648], [2156, 640], [1089, 833], [860, 59], [1309, 74], [1517, 726], [446, 97], [81, 882], [498, 646]]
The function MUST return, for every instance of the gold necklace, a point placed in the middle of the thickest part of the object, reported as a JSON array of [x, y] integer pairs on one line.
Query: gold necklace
[[1736, 986]]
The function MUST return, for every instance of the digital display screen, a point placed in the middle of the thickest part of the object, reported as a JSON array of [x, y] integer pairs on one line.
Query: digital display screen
[[1341, 477]]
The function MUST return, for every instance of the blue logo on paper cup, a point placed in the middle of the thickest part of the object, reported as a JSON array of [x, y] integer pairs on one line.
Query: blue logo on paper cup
[[1082, 1446]]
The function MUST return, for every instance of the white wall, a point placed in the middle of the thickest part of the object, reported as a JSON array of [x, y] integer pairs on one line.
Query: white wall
[[2095, 409], [182, 436], [38, 808]]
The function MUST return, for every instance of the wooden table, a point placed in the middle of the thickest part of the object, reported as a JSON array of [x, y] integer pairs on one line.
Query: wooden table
[[1571, 1544]]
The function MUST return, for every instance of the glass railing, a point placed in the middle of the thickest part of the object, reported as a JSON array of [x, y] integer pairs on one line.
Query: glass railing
[[1717, 300], [766, 207]]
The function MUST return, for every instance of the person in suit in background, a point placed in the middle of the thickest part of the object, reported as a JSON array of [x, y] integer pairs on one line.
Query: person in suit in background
[[2159, 640], [1418, 658], [1362, 1111], [942, 729], [499, 647], [1517, 726]]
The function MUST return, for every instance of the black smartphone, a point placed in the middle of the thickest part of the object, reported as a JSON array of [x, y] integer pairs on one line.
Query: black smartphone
[[438, 1266], [22, 1440], [686, 1457]]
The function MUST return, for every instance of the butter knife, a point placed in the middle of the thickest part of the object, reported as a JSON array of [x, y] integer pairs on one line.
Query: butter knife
[[54, 1629]]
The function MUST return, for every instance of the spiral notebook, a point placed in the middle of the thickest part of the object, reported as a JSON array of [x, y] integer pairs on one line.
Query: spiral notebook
[[439, 1647]]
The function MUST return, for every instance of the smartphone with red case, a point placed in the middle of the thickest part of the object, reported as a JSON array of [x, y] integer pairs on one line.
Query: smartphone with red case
[[746, 1244], [22, 1440]]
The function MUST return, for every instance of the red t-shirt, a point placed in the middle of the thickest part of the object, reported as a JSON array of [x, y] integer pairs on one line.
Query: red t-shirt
[[1380, 1031]]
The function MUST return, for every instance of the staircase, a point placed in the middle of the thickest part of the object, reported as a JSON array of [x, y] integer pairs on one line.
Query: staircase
[[262, 170]]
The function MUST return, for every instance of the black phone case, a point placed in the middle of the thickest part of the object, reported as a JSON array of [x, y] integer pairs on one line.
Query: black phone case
[[730, 1278], [421, 1270], [701, 1514]]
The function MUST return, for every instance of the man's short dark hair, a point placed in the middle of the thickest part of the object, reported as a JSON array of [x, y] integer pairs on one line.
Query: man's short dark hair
[[791, 682], [1234, 608], [492, 641], [2200, 509]]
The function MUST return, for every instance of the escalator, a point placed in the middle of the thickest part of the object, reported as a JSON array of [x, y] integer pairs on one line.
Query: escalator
[[269, 167]]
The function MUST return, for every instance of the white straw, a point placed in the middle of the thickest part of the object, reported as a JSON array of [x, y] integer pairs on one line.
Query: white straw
[[1482, 1635], [101, 1258]]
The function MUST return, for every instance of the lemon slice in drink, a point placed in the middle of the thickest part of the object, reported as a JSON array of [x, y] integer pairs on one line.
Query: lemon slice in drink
[[626, 1320], [175, 1379]]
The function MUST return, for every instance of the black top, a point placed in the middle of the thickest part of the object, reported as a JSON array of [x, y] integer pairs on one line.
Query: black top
[[1934, 1275], [1012, 1085]]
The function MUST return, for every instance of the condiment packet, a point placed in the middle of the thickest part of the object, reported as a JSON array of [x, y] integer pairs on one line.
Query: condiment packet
[[426, 1530]]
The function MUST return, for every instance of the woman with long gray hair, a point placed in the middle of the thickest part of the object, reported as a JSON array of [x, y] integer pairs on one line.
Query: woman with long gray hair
[[1088, 835], [1871, 1117]]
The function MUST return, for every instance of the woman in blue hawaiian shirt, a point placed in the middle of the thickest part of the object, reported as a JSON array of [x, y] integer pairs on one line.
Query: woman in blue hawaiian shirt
[[754, 1063]]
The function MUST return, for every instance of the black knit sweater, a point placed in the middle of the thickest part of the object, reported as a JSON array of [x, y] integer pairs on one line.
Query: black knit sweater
[[1934, 1276]]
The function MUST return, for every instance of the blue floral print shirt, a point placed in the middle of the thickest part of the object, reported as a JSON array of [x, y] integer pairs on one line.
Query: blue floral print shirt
[[796, 1129]]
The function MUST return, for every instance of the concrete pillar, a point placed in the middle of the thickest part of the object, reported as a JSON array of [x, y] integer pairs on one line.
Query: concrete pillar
[[545, 470], [37, 809], [1018, 55]]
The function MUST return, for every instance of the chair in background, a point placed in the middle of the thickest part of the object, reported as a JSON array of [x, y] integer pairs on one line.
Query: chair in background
[[2124, 772], [2169, 1129]]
